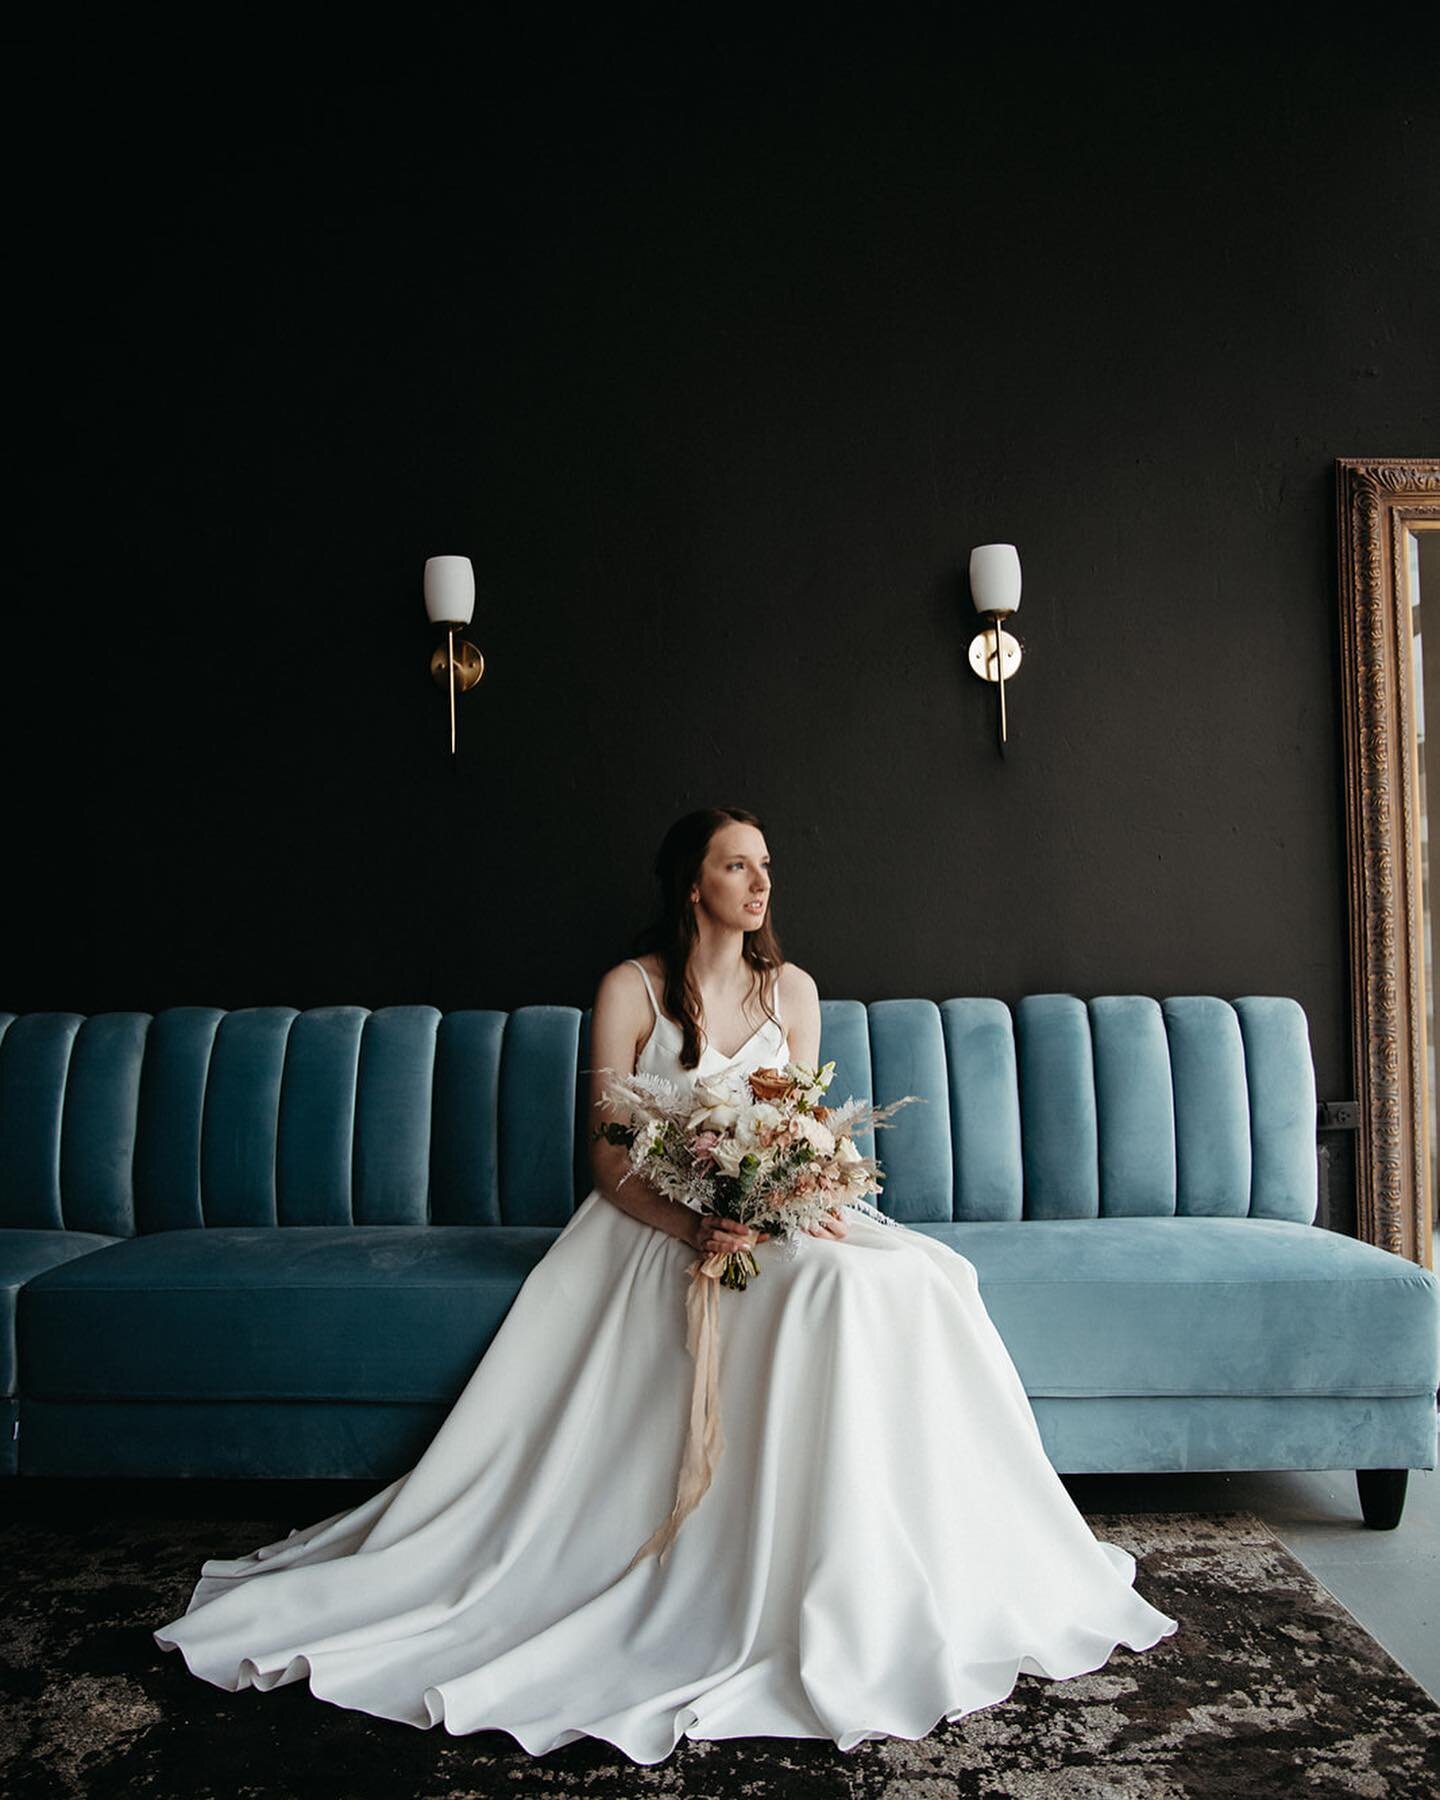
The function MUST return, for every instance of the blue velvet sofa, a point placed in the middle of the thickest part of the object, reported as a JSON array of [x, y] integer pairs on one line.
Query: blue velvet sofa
[[274, 1243]]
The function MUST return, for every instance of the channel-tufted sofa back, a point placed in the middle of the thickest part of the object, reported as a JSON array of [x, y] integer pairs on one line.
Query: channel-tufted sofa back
[[123, 1122]]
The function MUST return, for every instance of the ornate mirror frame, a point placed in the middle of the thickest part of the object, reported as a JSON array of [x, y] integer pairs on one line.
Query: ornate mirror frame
[[1379, 499]]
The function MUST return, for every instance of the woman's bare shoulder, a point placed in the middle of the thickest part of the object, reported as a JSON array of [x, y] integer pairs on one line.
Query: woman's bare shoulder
[[622, 1015], [623, 980], [625, 974], [797, 983]]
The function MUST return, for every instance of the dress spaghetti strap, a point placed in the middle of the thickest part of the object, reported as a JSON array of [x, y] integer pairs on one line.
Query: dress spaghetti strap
[[648, 989]]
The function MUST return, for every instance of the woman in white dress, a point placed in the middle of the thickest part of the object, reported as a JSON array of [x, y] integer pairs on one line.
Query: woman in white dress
[[884, 1543]]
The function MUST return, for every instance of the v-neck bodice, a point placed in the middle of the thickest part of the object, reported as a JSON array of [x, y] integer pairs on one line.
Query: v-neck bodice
[[767, 1046]]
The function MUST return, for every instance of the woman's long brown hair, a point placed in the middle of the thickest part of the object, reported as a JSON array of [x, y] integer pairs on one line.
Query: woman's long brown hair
[[673, 934]]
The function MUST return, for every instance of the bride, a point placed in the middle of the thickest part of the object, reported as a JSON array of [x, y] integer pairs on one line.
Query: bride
[[884, 1543]]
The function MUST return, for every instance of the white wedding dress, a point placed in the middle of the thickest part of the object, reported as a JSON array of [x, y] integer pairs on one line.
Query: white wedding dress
[[884, 1544]]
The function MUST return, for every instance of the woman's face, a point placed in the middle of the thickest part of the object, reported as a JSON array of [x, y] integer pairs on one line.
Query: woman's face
[[734, 881]]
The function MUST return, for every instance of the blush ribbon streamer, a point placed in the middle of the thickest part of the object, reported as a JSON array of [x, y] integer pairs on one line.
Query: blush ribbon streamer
[[706, 1440]]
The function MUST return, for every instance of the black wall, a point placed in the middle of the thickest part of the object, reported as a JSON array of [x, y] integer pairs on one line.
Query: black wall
[[716, 357]]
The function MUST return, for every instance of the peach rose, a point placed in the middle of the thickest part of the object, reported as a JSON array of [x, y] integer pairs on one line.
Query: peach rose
[[770, 1084]]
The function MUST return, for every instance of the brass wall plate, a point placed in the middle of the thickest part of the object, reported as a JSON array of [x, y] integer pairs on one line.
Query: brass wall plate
[[469, 666], [982, 654]]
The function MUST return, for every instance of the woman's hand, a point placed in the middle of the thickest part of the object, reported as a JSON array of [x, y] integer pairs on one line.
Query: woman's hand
[[709, 1234], [832, 1226]]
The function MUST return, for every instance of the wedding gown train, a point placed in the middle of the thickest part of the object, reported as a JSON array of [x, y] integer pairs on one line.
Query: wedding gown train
[[885, 1543]]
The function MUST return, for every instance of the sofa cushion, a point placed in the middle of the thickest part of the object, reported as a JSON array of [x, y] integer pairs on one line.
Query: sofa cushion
[[1108, 1306], [372, 1312], [1193, 1305], [24, 1254]]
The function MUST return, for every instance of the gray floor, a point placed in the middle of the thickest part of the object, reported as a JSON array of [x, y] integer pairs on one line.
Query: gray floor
[[1390, 1580]]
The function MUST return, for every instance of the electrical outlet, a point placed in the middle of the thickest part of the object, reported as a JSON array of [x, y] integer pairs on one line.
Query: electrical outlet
[[1339, 1115]]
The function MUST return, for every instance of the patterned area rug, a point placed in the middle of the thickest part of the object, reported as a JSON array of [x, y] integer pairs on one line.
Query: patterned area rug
[[1270, 1687]]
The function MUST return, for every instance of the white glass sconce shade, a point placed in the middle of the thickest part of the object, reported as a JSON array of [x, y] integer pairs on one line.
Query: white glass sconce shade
[[449, 590], [995, 578]]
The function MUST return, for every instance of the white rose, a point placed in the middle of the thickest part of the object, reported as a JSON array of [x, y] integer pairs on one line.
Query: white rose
[[755, 1119], [845, 1151], [719, 1117], [717, 1101], [729, 1155]]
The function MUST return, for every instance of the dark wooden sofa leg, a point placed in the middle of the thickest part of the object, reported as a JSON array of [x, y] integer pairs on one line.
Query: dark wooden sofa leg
[[1382, 1496]]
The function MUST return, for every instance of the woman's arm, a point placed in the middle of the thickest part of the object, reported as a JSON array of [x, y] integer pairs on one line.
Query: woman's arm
[[800, 1008], [617, 1025]]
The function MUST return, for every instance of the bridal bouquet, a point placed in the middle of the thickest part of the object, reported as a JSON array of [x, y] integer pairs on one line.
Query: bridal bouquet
[[761, 1148]]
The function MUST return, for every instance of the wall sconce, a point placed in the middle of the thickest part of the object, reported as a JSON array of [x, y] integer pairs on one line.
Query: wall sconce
[[450, 602], [995, 589]]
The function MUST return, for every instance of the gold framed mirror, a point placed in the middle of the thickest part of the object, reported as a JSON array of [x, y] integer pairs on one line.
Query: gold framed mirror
[[1389, 558]]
